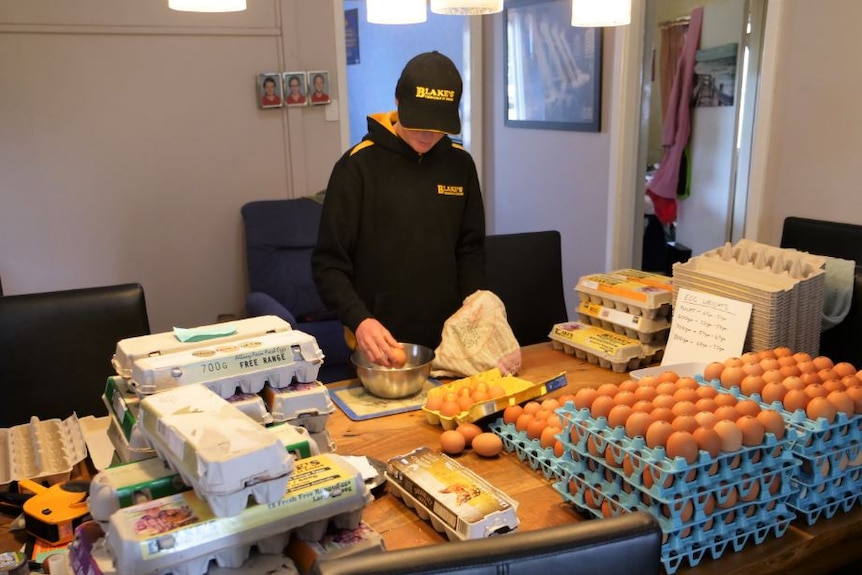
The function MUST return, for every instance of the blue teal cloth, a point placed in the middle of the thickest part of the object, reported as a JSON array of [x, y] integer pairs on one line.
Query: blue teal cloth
[[837, 291]]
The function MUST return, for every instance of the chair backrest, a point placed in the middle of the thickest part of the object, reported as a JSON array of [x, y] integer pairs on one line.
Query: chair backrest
[[833, 239], [621, 545], [56, 348], [280, 236], [525, 271]]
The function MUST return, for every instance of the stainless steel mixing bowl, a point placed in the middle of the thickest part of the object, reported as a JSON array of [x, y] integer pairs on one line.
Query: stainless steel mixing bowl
[[395, 382]]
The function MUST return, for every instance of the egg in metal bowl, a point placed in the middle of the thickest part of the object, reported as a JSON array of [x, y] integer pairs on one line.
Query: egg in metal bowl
[[395, 382]]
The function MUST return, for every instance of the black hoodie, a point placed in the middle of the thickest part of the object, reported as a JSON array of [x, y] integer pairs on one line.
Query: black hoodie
[[402, 234]]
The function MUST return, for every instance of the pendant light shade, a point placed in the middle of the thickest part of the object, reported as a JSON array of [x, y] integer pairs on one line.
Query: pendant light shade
[[466, 7], [600, 13], [207, 5], [396, 11]]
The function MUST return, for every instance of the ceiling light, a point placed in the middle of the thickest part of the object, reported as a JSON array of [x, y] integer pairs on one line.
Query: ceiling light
[[600, 13], [396, 11], [466, 7], [207, 5]]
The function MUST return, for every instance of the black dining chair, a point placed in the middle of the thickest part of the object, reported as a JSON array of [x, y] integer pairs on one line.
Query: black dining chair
[[56, 348], [525, 271]]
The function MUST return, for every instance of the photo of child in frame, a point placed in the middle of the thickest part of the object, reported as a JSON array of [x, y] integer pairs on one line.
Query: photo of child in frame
[[318, 89], [294, 89], [269, 90]]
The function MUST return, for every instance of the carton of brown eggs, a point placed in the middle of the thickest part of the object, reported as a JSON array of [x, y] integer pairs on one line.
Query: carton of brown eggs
[[45, 450], [599, 346]]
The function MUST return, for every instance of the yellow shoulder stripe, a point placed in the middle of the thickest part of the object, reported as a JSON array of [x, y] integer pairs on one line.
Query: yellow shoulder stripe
[[458, 146], [361, 146]]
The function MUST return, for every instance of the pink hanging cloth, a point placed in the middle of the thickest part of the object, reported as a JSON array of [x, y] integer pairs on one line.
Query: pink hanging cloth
[[677, 129]]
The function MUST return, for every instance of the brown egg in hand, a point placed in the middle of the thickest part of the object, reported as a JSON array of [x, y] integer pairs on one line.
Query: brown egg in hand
[[397, 357]]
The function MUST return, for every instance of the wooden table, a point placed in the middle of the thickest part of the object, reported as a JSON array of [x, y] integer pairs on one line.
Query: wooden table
[[803, 549]]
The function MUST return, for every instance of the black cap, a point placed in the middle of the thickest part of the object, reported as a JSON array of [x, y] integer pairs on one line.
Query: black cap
[[428, 93]]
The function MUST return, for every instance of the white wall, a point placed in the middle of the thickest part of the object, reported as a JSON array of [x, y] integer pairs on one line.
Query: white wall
[[130, 138], [547, 179], [815, 140]]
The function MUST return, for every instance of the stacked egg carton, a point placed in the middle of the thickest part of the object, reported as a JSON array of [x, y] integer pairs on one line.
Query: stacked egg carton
[[624, 319], [828, 478], [706, 508], [784, 286]]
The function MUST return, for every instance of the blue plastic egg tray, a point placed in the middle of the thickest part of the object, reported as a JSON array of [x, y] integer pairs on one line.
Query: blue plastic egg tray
[[528, 450], [823, 499]]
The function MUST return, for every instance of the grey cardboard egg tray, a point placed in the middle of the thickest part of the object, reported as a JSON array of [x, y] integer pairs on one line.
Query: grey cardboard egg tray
[[42, 449], [604, 348], [644, 329], [306, 404]]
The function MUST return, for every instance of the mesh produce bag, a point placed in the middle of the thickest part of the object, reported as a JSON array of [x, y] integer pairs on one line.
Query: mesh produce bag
[[476, 338]]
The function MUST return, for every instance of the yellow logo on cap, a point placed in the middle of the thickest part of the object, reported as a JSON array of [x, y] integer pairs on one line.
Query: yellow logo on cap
[[435, 94], [450, 190]]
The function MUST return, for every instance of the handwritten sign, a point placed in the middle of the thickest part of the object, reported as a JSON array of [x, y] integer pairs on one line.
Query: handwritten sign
[[706, 328]]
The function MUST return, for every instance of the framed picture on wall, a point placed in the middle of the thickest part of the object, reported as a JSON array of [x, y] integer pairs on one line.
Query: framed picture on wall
[[269, 90], [553, 69], [318, 87], [294, 89]]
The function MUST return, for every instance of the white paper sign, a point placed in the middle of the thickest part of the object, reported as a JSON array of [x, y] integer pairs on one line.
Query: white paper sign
[[706, 328]]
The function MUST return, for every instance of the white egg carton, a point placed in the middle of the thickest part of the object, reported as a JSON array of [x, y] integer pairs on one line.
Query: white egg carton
[[218, 450], [638, 327], [324, 441], [125, 485], [602, 347], [42, 449], [454, 499], [179, 534], [252, 405], [123, 405], [125, 452], [625, 295], [297, 441], [247, 364], [648, 278], [305, 404], [133, 348]]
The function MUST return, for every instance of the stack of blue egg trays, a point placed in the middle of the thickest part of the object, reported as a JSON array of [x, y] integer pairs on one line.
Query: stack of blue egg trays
[[530, 451], [705, 508], [829, 477]]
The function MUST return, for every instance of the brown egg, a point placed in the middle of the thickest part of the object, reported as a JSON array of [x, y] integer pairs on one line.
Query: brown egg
[[535, 428], [728, 412], [708, 440], [795, 399], [496, 391], [752, 430], [787, 361], [790, 370], [666, 388], [724, 399], [801, 356], [523, 421], [822, 362], [765, 354], [638, 423], [625, 398], [731, 377], [433, 402], [772, 422], [601, 406], [683, 408], [821, 407], [450, 409], [807, 366], [713, 371], [643, 405], [554, 420], [649, 380], [773, 392], [833, 385], [685, 394], [749, 488], [809, 378], [487, 445], [657, 434], [559, 449], [452, 442], [618, 415], [730, 434], [663, 401], [511, 413], [751, 385], [827, 374], [733, 362], [772, 376], [842, 402], [469, 431], [669, 375], [705, 391], [753, 368], [584, 397], [550, 404], [844, 368], [663, 414], [609, 389], [747, 407], [629, 385], [815, 390], [769, 364], [532, 407], [549, 436], [397, 357], [706, 419], [687, 383], [855, 392], [684, 423], [682, 444], [645, 392], [705, 404], [749, 356], [782, 351]]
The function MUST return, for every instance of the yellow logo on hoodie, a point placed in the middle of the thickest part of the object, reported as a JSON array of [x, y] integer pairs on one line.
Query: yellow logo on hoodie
[[450, 190]]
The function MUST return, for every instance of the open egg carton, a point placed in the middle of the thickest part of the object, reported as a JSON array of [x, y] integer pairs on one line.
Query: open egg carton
[[218, 450], [46, 450], [828, 476], [514, 390], [621, 293], [454, 499], [277, 359], [708, 506], [180, 534], [645, 330], [784, 286], [604, 348], [306, 404]]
